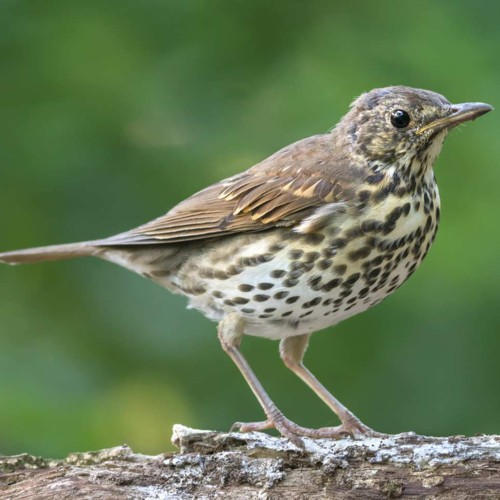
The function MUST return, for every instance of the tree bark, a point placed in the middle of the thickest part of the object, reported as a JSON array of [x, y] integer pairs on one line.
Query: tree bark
[[256, 465]]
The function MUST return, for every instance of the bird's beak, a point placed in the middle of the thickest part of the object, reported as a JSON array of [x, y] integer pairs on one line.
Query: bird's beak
[[460, 113]]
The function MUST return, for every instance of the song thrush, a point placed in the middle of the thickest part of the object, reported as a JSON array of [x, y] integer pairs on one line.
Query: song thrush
[[321, 230]]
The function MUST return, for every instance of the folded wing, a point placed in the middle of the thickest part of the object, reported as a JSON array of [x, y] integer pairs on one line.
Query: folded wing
[[283, 190]]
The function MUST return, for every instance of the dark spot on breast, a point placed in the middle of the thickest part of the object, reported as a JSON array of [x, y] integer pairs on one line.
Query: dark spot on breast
[[394, 215], [376, 178], [311, 303], [260, 298], [373, 262], [196, 290], [280, 295], [360, 253], [314, 281], [340, 269], [232, 271], [314, 238], [338, 243], [276, 247], [332, 231], [354, 232], [292, 300], [296, 254], [217, 294], [285, 314], [348, 282], [264, 257], [245, 261], [428, 224], [240, 300], [332, 284], [265, 286], [311, 256], [371, 226], [308, 266], [297, 273], [158, 273], [305, 314], [400, 192], [247, 311], [389, 227], [391, 220], [245, 288], [270, 309], [383, 245], [277, 273], [324, 264], [382, 194], [396, 244], [297, 265], [207, 273], [364, 196]]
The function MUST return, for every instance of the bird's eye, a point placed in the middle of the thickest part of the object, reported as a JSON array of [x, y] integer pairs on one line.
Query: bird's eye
[[400, 118]]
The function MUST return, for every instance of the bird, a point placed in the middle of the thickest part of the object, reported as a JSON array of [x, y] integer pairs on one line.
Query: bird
[[320, 231]]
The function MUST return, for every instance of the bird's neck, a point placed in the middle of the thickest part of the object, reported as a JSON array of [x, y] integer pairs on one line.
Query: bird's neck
[[416, 166]]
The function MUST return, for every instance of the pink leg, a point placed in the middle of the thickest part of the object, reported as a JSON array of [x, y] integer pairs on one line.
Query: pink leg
[[230, 333], [292, 351]]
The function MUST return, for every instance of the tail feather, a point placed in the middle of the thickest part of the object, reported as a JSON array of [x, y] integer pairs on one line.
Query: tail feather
[[53, 252]]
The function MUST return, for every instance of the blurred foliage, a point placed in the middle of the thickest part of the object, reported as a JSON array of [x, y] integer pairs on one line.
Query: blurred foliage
[[112, 112]]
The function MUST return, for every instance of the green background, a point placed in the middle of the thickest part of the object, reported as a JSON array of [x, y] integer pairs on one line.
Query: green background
[[112, 112]]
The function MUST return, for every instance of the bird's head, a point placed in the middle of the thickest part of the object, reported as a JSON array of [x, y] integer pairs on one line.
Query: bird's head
[[389, 124]]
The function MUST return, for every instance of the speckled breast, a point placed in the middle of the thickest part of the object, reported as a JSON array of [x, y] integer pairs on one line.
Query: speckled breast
[[285, 284]]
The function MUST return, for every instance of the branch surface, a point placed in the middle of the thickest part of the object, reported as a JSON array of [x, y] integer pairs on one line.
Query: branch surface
[[256, 465]]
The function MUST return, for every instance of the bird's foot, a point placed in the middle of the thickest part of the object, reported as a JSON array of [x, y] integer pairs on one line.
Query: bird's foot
[[351, 428]]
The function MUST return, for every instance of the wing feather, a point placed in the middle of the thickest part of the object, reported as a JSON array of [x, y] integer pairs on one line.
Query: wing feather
[[284, 190]]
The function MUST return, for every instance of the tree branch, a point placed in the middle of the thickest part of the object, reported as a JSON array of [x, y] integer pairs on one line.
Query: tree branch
[[255, 465]]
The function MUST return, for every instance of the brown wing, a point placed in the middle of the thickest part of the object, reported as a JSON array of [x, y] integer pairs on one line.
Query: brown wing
[[280, 191]]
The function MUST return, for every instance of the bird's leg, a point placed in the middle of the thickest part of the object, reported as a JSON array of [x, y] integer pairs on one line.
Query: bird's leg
[[230, 333], [292, 351]]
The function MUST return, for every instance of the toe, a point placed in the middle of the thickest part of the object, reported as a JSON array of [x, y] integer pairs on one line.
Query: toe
[[252, 426]]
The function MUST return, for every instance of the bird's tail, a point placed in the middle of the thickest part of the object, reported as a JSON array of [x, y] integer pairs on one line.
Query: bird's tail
[[52, 252]]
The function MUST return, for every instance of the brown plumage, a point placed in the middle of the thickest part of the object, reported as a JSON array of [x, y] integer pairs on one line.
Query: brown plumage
[[321, 230], [272, 193]]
